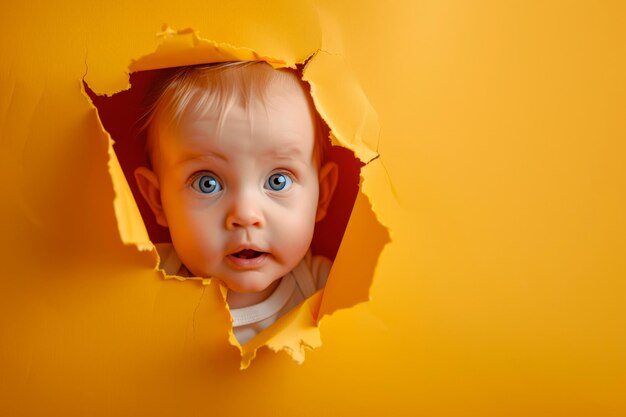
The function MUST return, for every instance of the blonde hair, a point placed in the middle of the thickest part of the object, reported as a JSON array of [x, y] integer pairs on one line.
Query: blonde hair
[[218, 87]]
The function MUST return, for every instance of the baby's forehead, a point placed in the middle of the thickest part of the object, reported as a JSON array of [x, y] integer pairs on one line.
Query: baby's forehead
[[238, 100]]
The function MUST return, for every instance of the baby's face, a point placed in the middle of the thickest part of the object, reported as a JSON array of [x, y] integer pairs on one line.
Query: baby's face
[[241, 202]]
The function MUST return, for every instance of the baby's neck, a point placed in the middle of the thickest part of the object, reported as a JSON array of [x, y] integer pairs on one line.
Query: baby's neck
[[247, 299]]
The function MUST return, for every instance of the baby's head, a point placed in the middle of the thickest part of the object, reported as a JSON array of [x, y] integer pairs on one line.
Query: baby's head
[[238, 171]]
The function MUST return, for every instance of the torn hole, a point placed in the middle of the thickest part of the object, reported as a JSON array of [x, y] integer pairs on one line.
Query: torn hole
[[355, 254]]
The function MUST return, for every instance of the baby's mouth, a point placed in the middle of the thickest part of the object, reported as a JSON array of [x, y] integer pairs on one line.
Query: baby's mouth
[[247, 259], [247, 254]]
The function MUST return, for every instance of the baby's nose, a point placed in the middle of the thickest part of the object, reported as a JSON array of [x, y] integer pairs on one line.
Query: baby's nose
[[244, 212]]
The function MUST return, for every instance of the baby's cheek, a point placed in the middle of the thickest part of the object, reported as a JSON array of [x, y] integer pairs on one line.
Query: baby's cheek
[[198, 251], [299, 225], [189, 229]]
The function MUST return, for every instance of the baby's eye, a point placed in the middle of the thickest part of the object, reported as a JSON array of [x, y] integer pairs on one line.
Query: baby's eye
[[278, 182], [206, 184]]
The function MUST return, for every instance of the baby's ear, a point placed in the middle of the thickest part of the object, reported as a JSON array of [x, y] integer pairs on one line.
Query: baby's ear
[[329, 174], [149, 186]]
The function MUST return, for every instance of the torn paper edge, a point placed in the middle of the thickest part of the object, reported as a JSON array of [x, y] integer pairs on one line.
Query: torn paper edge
[[134, 232]]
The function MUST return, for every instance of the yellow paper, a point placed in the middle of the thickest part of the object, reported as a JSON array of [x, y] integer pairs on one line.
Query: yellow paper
[[500, 175]]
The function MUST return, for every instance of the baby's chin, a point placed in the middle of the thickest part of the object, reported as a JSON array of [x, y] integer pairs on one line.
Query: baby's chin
[[247, 293], [242, 281], [250, 286], [255, 280]]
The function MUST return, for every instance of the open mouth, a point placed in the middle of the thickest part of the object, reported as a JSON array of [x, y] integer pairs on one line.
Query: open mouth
[[248, 254]]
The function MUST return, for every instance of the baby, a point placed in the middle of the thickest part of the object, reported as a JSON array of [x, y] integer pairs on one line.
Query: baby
[[238, 174]]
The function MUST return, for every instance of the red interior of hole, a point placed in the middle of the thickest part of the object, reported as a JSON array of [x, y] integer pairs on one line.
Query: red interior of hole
[[121, 116]]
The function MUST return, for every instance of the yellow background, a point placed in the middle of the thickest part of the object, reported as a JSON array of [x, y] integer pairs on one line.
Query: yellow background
[[501, 177]]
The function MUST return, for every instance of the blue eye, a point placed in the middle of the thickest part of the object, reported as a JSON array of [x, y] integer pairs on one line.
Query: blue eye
[[278, 182], [207, 184]]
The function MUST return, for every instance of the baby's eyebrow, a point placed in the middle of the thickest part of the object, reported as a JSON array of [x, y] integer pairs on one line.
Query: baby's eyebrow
[[190, 156], [286, 152]]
